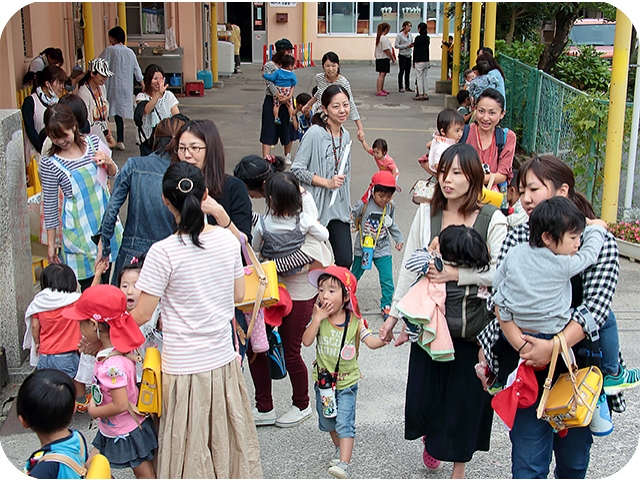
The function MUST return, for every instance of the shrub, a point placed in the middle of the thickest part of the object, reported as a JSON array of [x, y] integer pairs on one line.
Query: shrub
[[627, 231]]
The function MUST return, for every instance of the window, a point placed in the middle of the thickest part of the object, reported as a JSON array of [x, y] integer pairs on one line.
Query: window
[[145, 18], [385, 12], [343, 17]]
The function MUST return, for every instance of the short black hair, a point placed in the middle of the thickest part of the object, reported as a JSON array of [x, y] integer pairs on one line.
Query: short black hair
[[303, 99], [60, 277], [282, 195], [383, 189], [555, 216], [514, 180], [465, 247], [462, 96], [137, 265], [46, 400], [118, 34], [380, 143], [327, 277], [483, 67], [447, 118], [288, 61]]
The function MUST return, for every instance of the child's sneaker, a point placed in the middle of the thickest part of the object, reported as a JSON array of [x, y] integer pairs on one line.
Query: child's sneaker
[[84, 406], [431, 463], [601, 424], [384, 312], [287, 159], [625, 380], [341, 470], [335, 458], [277, 121]]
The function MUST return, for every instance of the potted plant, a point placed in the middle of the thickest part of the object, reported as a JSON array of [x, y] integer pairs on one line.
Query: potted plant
[[628, 238]]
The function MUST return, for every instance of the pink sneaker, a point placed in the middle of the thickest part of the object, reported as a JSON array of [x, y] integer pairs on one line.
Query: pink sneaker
[[384, 91], [381, 94], [431, 463]]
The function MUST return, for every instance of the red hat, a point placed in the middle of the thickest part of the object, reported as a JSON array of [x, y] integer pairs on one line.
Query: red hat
[[274, 314], [521, 392], [346, 278], [384, 178], [107, 303]]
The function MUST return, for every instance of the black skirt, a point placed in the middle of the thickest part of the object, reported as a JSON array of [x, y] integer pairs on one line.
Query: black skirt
[[270, 133], [138, 446], [383, 65], [446, 403]]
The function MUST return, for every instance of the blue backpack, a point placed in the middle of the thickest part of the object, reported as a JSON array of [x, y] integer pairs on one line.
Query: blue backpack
[[501, 137], [275, 356]]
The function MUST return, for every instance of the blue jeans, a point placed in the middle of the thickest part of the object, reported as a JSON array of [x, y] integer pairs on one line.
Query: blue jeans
[[385, 274], [533, 441], [63, 362], [610, 345], [344, 423]]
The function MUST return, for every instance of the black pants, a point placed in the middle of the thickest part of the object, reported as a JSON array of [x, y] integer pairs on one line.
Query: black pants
[[104, 280], [405, 69], [340, 240], [119, 128]]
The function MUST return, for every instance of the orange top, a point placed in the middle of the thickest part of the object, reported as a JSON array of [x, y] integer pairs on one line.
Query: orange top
[[57, 334]]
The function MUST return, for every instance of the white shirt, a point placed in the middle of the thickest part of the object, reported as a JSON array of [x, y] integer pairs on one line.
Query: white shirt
[[385, 44], [161, 111]]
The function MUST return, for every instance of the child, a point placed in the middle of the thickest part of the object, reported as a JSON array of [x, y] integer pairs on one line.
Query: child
[[302, 121], [379, 151], [532, 285], [45, 404], [281, 232], [464, 102], [468, 76], [515, 213], [482, 81], [336, 319], [55, 339], [126, 438], [456, 245], [285, 81], [375, 223], [450, 127]]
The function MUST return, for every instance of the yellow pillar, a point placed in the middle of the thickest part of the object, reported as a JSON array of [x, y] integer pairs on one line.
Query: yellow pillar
[[89, 49], [445, 34], [490, 13], [304, 23], [476, 23], [213, 8], [615, 128], [122, 17], [457, 42]]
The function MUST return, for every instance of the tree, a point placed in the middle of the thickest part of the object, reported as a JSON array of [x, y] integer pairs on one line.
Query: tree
[[565, 15]]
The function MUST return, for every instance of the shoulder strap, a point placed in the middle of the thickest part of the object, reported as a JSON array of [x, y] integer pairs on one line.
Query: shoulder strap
[[80, 470], [501, 139], [436, 225], [344, 337], [547, 383], [465, 134], [481, 224]]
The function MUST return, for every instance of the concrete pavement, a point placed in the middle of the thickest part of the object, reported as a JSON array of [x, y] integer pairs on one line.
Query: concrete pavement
[[380, 449]]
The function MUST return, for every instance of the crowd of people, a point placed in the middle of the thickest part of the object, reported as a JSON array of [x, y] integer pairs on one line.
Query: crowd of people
[[172, 277]]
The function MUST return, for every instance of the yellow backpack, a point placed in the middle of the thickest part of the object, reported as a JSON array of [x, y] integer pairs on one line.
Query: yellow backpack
[[150, 397]]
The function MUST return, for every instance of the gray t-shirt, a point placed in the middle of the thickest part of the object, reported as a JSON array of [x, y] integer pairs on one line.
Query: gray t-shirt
[[532, 285]]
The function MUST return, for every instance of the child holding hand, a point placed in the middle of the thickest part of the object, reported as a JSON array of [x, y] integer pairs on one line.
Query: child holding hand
[[337, 320], [379, 151]]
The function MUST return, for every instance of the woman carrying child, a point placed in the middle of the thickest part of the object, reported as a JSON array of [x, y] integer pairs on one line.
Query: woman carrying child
[[125, 437], [337, 320], [445, 404], [450, 127], [206, 428], [322, 168]]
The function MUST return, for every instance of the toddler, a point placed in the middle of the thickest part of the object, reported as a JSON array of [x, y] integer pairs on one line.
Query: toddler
[[468, 76], [337, 321], [379, 150], [482, 81], [373, 217], [125, 437], [302, 121], [450, 127], [281, 232], [285, 81], [54, 339], [45, 404], [464, 102]]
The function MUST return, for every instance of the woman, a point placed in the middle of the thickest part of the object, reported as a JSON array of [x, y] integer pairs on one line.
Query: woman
[[404, 44], [140, 180], [49, 85], [270, 133], [77, 165], [196, 274], [421, 61], [92, 92], [255, 171], [482, 135], [125, 66], [541, 178], [384, 56], [49, 56], [445, 403], [332, 76], [161, 104], [495, 72], [321, 168]]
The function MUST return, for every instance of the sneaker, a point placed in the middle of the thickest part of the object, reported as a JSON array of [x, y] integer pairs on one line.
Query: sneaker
[[341, 470], [287, 159], [384, 312], [408, 90], [431, 463], [381, 94], [625, 380], [277, 121], [335, 458], [119, 146], [83, 407], [601, 424], [401, 90], [293, 417], [264, 418]]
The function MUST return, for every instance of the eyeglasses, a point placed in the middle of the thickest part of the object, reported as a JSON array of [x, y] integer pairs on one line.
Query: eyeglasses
[[192, 149]]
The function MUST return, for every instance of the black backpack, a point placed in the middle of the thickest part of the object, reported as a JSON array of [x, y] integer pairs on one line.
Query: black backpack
[[138, 113], [500, 133]]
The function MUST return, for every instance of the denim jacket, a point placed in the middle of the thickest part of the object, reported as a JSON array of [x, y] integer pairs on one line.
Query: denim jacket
[[148, 218]]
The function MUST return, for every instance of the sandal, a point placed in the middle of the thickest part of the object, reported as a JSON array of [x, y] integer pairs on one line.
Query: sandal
[[431, 463]]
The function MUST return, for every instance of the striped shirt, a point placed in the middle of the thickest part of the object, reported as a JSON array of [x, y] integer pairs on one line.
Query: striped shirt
[[323, 83], [196, 288], [52, 178]]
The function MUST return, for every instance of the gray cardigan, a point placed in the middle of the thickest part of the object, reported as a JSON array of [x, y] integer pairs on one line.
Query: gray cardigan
[[315, 157]]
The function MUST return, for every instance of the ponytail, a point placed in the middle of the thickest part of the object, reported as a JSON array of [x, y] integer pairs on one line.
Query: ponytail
[[191, 218]]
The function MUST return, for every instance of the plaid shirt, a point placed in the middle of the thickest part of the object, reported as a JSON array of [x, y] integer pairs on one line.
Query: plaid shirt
[[598, 283]]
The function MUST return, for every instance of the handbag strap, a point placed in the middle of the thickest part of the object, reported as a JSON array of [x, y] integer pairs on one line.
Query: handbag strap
[[344, 337], [547, 383], [252, 259]]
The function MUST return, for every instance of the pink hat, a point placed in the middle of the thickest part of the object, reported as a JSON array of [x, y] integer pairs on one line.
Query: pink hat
[[383, 178], [346, 278], [107, 303], [521, 393]]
